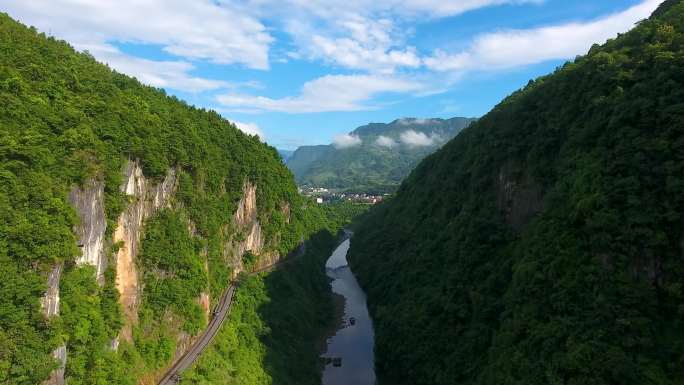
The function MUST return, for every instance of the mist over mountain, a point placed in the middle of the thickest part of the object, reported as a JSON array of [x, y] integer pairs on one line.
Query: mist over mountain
[[374, 157]]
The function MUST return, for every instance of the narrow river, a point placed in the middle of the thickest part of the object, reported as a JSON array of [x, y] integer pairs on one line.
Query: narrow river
[[353, 343]]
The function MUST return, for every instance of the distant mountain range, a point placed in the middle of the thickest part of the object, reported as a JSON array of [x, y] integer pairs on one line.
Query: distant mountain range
[[374, 157], [285, 154]]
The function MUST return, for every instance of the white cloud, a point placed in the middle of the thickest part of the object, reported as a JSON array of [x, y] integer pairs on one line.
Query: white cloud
[[328, 93], [416, 121], [444, 8], [329, 9], [351, 53], [514, 48], [354, 41], [365, 35], [369, 36], [385, 141], [346, 141], [250, 128], [194, 30], [413, 138], [164, 74], [199, 29]]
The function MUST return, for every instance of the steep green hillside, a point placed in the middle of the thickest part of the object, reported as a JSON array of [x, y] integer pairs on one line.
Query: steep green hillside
[[67, 121], [302, 159], [385, 154], [545, 243], [274, 326]]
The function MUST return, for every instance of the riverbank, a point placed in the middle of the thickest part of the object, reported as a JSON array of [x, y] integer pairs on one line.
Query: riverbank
[[349, 352], [336, 323], [275, 316]]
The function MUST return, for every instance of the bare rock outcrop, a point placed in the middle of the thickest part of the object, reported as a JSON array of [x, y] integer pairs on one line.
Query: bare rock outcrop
[[146, 198], [50, 304], [57, 375], [88, 200], [50, 300], [285, 210], [246, 212], [249, 235], [519, 196]]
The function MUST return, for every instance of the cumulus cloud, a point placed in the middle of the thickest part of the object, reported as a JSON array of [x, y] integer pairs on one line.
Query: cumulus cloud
[[346, 141], [199, 29], [515, 48], [355, 41], [385, 141], [163, 74], [250, 128], [328, 93], [413, 138], [351, 53], [192, 30], [405, 8], [368, 36], [363, 34], [416, 121]]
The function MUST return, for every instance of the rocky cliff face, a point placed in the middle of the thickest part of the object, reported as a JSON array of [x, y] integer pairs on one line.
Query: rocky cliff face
[[248, 230], [519, 197], [50, 304], [245, 235], [248, 234], [88, 200], [50, 301], [146, 198], [57, 375]]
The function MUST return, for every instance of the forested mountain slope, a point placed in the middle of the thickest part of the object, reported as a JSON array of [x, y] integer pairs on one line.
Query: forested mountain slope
[[124, 213], [383, 155], [545, 243]]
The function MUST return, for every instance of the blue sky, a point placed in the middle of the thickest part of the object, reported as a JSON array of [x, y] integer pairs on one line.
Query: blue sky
[[305, 71]]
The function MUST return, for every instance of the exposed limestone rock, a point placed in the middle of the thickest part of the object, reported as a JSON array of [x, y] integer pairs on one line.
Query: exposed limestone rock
[[285, 210], [249, 235], [519, 196], [146, 199], [88, 200], [50, 301], [50, 304], [57, 375], [246, 212], [253, 241]]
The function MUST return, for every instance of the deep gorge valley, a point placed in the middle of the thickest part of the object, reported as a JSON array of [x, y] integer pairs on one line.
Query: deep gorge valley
[[147, 240]]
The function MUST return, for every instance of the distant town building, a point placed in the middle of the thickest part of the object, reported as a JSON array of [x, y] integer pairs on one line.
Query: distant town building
[[324, 195]]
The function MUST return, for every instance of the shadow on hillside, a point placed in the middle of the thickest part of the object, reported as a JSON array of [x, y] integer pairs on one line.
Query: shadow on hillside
[[299, 310]]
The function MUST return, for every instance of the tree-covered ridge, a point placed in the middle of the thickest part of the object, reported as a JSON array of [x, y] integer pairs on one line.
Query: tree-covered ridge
[[545, 243], [66, 119], [385, 154]]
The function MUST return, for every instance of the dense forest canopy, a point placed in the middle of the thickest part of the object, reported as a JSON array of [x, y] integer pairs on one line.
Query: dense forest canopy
[[545, 243], [66, 119]]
